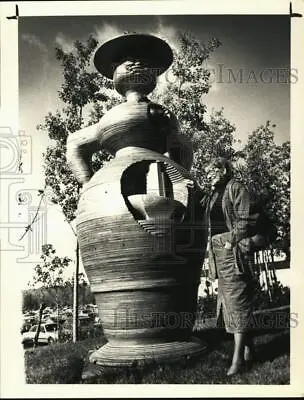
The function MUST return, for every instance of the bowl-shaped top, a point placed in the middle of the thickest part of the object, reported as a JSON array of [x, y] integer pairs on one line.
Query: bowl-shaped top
[[152, 206], [151, 49]]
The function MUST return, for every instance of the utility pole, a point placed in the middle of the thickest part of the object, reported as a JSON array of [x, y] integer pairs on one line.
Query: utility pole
[[75, 296]]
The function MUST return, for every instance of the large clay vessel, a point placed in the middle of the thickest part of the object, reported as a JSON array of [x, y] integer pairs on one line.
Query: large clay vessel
[[141, 231]]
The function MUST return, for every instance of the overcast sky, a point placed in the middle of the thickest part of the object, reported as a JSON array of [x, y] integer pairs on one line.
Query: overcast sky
[[259, 46]]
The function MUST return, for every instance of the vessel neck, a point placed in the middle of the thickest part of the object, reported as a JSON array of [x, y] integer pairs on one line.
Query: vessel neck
[[126, 150], [131, 149], [135, 97]]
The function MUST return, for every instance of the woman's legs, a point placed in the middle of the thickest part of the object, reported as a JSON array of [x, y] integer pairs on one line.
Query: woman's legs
[[238, 353], [235, 294], [249, 348], [243, 351]]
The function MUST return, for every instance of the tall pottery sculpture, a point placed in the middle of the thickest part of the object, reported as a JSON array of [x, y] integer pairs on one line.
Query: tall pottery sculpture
[[140, 228]]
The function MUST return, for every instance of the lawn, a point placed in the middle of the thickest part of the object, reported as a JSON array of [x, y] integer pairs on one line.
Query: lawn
[[65, 363]]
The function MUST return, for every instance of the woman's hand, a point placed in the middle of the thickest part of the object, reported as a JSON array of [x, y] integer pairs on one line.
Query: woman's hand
[[190, 183], [193, 184], [228, 246]]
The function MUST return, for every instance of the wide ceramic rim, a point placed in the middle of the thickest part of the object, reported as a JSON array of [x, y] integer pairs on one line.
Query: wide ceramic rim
[[153, 50]]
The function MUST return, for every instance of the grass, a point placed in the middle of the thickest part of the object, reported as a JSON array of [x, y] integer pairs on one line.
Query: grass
[[64, 363]]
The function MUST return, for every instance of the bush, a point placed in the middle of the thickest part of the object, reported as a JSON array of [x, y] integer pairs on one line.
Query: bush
[[206, 307], [277, 296], [87, 329]]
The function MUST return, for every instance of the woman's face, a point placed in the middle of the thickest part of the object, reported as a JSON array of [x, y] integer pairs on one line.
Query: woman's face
[[215, 175]]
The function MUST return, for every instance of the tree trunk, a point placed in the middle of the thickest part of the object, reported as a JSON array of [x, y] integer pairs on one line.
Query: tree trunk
[[58, 318], [75, 296], [42, 307]]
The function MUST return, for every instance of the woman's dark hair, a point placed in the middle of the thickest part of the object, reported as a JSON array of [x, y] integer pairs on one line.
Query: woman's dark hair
[[222, 162]]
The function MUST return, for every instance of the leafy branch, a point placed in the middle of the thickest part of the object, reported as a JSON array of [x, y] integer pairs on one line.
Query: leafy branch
[[41, 193]]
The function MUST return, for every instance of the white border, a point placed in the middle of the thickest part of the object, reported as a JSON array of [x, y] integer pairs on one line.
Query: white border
[[160, 7]]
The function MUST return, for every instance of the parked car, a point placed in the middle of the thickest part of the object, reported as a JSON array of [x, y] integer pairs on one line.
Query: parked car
[[48, 334], [31, 319], [61, 317]]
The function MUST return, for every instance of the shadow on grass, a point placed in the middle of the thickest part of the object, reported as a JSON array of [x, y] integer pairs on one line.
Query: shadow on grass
[[274, 348], [213, 336], [278, 344]]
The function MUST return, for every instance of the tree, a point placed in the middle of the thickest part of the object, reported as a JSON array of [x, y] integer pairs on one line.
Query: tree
[[50, 275], [29, 301], [184, 96], [190, 81], [266, 171], [85, 96], [33, 297], [216, 140]]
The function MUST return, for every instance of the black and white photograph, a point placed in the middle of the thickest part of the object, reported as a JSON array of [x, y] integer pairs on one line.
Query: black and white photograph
[[150, 191]]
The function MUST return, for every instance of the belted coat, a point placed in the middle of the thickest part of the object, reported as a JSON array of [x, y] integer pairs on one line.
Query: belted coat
[[236, 206]]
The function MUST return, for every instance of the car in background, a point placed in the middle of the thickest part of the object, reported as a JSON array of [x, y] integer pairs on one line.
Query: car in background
[[48, 334], [67, 312]]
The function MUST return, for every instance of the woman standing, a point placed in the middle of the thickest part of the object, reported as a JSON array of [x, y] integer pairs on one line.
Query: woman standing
[[229, 216]]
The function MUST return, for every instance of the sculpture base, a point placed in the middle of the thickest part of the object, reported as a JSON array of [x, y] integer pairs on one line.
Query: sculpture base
[[120, 354]]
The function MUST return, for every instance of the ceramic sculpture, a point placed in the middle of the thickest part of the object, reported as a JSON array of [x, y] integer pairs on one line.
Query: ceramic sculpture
[[139, 226]]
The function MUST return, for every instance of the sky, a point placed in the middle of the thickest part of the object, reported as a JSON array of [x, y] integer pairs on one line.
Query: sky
[[256, 48], [249, 43]]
